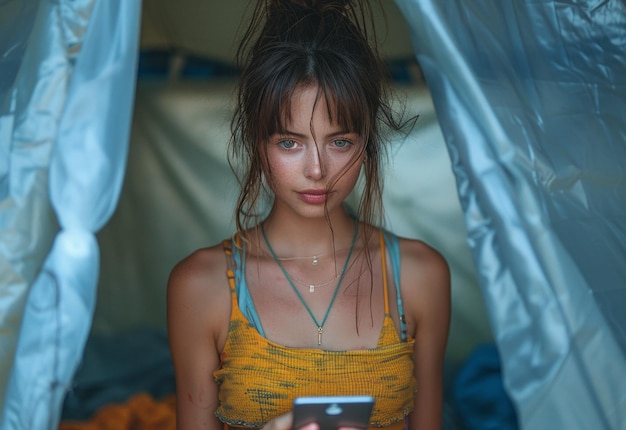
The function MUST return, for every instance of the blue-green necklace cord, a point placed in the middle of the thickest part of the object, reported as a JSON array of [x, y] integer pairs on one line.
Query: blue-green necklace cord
[[320, 326]]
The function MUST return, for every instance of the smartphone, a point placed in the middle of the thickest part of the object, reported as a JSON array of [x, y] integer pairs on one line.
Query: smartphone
[[333, 412]]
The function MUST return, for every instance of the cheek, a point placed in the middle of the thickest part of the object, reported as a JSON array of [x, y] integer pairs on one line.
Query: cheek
[[272, 163], [280, 170], [351, 175]]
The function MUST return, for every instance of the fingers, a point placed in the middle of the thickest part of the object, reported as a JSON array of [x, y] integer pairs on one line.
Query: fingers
[[283, 422]]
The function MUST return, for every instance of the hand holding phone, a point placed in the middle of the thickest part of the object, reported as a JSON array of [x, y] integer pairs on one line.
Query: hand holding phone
[[333, 412]]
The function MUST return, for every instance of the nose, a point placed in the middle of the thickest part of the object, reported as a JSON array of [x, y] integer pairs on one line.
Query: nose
[[314, 164]]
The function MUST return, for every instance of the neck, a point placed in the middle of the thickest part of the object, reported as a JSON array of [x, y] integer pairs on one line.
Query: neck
[[295, 236]]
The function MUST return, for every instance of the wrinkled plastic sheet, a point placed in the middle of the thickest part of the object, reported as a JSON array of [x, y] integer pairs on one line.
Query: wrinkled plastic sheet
[[70, 109], [531, 98]]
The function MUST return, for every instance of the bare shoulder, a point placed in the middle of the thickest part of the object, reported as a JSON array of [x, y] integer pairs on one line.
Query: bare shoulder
[[425, 280], [423, 262], [198, 290], [199, 273]]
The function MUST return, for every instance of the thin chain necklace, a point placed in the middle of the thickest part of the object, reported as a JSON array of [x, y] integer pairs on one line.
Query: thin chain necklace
[[315, 259], [320, 326], [311, 286]]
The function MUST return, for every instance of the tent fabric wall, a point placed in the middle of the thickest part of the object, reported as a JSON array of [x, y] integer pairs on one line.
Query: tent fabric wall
[[69, 114], [531, 97]]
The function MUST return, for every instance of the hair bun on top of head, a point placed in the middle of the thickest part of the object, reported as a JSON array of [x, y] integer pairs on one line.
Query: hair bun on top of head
[[316, 5], [358, 13], [274, 20], [350, 9]]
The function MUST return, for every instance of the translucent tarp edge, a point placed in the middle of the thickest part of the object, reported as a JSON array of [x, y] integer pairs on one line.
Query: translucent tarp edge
[[86, 172], [561, 359]]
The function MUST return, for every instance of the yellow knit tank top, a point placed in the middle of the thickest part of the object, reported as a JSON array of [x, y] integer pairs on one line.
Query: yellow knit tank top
[[259, 379]]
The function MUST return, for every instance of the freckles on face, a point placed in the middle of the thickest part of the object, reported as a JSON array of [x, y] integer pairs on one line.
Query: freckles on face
[[312, 150]]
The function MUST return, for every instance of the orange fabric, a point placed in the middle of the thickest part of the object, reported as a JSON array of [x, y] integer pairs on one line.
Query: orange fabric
[[396, 426], [259, 379], [141, 412]]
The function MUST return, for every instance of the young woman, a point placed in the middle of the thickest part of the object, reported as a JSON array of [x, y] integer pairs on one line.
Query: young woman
[[310, 298]]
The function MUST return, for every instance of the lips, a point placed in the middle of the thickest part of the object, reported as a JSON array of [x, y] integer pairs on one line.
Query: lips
[[313, 196]]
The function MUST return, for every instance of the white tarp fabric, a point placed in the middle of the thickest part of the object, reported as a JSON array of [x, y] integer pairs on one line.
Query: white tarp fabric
[[67, 119], [531, 98]]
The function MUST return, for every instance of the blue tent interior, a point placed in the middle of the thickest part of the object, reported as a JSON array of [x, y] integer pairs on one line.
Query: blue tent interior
[[514, 170]]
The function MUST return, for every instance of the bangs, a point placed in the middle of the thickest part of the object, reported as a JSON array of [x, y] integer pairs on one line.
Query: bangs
[[345, 101]]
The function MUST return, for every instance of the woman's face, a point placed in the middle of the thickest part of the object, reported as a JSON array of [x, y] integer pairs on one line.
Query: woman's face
[[314, 162]]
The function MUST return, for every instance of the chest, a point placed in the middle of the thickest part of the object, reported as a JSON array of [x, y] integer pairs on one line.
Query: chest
[[331, 308]]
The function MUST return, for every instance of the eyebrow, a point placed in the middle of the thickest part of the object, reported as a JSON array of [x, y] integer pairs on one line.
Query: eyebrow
[[300, 135]]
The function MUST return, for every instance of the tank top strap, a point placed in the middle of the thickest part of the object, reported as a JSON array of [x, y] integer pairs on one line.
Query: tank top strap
[[227, 246], [393, 249], [237, 279], [389, 334], [383, 257]]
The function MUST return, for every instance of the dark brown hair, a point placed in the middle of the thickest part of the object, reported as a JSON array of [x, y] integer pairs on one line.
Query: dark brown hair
[[290, 44]]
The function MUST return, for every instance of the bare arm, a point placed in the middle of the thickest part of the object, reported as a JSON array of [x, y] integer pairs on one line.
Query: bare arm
[[198, 311], [426, 294]]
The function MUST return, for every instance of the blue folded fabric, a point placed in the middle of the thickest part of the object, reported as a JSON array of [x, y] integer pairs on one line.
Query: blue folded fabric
[[114, 368], [478, 394]]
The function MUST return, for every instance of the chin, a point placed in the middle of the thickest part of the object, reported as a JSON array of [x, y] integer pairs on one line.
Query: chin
[[319, 211]]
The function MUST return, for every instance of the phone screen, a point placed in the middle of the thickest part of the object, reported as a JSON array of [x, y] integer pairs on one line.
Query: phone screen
[[332, 412]]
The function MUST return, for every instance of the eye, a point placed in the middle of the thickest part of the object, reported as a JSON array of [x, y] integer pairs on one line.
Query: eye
[[287, 143], [342, 143]]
